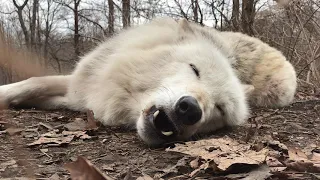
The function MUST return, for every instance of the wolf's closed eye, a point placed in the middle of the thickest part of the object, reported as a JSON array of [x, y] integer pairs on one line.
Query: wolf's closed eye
[[220, 108], [195, 69]]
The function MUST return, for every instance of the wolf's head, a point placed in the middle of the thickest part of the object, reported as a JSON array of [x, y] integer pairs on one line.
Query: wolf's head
[[198, 91]]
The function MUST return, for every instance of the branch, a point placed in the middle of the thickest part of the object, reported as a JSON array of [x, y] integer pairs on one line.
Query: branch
[[22, 6], [7, 13]]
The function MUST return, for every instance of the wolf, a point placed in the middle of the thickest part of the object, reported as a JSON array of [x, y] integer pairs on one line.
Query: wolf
[[168, 79]]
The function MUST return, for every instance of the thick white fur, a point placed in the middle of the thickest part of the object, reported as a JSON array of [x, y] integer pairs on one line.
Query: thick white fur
[[149, 65]]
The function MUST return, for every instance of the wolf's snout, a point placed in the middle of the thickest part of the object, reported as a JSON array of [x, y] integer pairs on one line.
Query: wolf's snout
[[188, 110]]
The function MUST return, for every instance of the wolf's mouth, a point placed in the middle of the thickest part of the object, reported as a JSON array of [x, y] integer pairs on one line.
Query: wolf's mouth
[[161, 122]]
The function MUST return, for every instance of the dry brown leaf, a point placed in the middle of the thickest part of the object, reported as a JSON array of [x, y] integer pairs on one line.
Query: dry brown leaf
[[263, 172], [12, 131], [296, 154], [277, 145], [3, 122], [145, 177], [77, 125], [108, 167], [178, 168], [78, 134], [82, 169], [57, 140], [92, 123], [299, 161], [64, 138], [223, 152], [51, 134], [6, 164], [315, 157], [303, 166], [80, 124], [195, 163], [54, 177], [273, 162]]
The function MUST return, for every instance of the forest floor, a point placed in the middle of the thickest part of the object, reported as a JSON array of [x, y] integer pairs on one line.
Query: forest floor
[[38, 145]]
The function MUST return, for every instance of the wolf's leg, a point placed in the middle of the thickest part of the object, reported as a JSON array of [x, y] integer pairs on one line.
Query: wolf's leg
[[48, 103], [33, 88]]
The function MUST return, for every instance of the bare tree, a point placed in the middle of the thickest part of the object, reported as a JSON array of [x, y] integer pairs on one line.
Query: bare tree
[[35, 8], [50, 11], [247, 16], [235, 14], [195, 7], [111, 17], [126, 13], [76, 28], [21, 20]]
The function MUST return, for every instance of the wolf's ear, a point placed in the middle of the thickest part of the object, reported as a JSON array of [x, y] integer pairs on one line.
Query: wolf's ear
[[248, 89], [184, 27]]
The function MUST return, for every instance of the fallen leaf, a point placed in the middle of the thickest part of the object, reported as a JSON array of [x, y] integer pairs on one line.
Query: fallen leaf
[[299, 161], [145, 177], [54, 177], [315, 156], [12, 131], [107, 167], [222, 153], [6, 164], [276, 145], [296, 154], [58, 140], [78, 134], [64, 138], [273, 162], [44, 150], [277, 169], [77, 125], [177, 168], [48, 126], [303, 166], [51, 134], [82, 169], [194, 163], [92, 123], [17, 178], [262, 172], [128, 175]]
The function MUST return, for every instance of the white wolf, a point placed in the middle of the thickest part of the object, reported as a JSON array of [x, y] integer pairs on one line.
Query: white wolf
[[168, 79]]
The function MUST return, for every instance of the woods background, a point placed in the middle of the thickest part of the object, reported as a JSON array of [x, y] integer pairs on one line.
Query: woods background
[[48, 36]]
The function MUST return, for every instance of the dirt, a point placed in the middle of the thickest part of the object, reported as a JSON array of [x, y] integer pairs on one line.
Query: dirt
[[121, 154]]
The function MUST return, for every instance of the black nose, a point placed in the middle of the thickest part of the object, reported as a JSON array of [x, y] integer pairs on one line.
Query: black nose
[[188, 110]]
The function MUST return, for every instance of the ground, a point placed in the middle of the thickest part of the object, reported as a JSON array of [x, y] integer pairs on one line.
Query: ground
[[120, 154]]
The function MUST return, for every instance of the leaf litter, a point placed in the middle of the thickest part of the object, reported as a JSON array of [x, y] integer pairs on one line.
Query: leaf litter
[[222, 154], [280, 159], [76, 129], [299, 161]]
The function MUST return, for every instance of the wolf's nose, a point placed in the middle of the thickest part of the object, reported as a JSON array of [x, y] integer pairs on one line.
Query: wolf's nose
[[188, 110]]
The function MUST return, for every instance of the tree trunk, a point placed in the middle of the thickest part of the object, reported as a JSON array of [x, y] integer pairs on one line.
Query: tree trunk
[[247, 16], [21, 21], [76, 28], [235, 14], [33, 24], [126, 13], [111, 17], [195, 7]]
